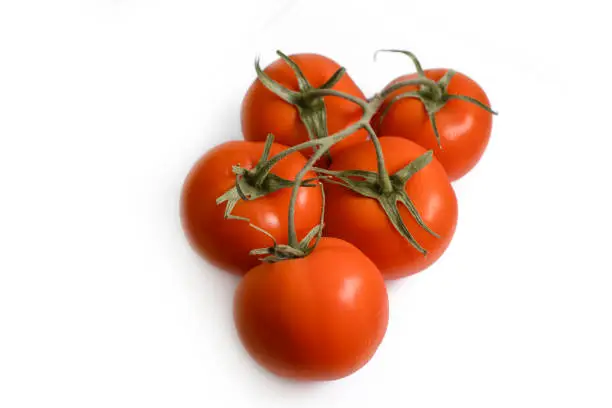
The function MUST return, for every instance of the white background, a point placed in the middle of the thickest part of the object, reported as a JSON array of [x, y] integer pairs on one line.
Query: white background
[[106, 104]]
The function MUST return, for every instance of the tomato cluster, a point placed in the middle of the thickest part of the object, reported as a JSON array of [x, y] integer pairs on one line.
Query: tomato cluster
[[330, 194]]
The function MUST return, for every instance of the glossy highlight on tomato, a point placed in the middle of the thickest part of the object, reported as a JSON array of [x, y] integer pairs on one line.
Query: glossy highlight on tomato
[[321, 317], [226, 242]]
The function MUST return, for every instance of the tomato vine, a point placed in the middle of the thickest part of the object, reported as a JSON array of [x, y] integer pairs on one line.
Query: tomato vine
[[388, 190]]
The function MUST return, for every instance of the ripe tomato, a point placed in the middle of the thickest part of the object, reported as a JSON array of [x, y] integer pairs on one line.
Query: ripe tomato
[[361, 220], [264, 112], [226, 243], [321, 317], [464, 127]]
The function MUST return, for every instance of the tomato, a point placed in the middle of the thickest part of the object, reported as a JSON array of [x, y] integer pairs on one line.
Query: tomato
[[321, 317], [464, 127], [226, 243], [361, 220], [264, 112]]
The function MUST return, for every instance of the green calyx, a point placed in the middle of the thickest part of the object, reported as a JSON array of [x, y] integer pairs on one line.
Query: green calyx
[[255, 183], [369, 184], [307, 100], [434, 95], [259, 182]]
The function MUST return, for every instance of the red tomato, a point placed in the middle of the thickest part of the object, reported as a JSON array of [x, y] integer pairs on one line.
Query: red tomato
[[226, 243], [321, 317], [361, 220], [464, 127], [264, 112]]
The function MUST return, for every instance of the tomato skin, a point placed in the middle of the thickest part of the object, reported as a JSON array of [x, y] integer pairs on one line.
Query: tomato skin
[[321, 317], [362, 221], [464, 128], [264, 112], [226, 243]]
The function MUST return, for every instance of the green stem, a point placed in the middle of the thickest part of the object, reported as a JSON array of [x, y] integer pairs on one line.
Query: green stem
[[315, 122], [409, 82], [430, 86], [332, 92], [383, 174], [267, 167], [413, 57], [324, 145], [436, 92], [370, 110], [293, 238]]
